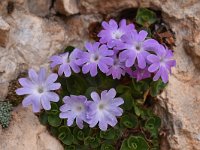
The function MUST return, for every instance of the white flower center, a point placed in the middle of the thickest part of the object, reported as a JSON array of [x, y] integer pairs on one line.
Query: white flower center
[[40, 89], [94, 58], [78, 108], [68, 60], [138, 46], [101, 106], [162, 61], [117, 34]]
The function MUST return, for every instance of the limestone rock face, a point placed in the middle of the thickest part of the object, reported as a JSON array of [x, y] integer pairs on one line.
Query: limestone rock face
[[26, 133], [4, 30], [40, 8], [33, 39], [105, 6], [67, 7]]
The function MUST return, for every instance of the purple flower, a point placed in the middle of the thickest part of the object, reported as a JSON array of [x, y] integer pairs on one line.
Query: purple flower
[[74, 108], [117, 69], [96, 56], [136, 47], [140, 74], [66, 62], [38, 89], [161, 63], [112, 33], [103, 110]]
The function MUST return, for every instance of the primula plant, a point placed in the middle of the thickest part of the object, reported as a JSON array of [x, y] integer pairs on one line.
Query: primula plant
[[97, 97]]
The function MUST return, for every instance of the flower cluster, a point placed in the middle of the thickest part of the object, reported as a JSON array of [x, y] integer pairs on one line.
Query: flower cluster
[[119, 49], [102, 110]]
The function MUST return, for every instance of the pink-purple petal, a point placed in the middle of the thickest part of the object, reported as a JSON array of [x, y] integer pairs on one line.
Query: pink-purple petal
[[33, 75], [51, 78], [36, 104], [24, 91], [42, 75], [27, 101], [141, 61], [95, 96], [52, 96], [45, 103], [142, 35], [26, 82], [153, 67], [67, 70], [54, 86], [93, 69]]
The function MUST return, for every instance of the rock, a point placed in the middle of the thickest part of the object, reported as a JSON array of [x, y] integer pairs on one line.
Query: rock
[[26, 133], [4, 30], [105, 6], [40, 8], [77, 29], [66, 7], [32, 41]]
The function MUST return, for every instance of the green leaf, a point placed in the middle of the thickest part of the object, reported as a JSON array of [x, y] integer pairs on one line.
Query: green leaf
[[65, 135], [140, 86], [96, 143], [82, 147], [137, 109], [145, 17], [70, 147], [64, 129], [152, 125], [54, 131], [43, 118], [106, 82], [129, 121], [156, 87], [69, 49], [124, 145], [106, 146], [54, 109], [92, 141], [137, 143], [128, 100], [92, 81], [64, 91], [76, 84], [122, 88], [89, 91], [109, 134], [79, 134], [54, 120]]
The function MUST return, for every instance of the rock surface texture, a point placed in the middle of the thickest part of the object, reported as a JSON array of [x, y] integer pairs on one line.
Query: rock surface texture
[[33, 32], [26, 133]]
